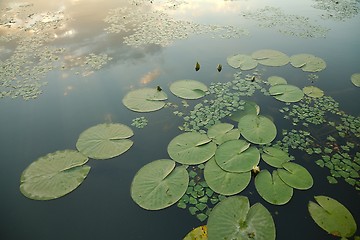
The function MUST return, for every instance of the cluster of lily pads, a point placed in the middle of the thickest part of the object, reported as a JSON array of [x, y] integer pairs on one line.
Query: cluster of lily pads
[[155, 26], [59, 173]]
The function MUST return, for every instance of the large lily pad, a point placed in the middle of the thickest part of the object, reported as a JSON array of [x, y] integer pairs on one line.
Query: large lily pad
[[237, 156], [244, 62], [249, 108], [332, 216], [296, 176], [270, 57], [222, 132], [312, 91], [199, 233], [276, 80], [191, 148], [286, 93], [275, 157], [105, 141], [54, 175], [223, 182], [272, 188], [308, 62], [159, 184], [257, 129], [355, 79], [233, 218], [188, 89], [145, 99]]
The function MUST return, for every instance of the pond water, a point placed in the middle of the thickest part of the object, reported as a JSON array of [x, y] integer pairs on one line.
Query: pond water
[[65, 66]]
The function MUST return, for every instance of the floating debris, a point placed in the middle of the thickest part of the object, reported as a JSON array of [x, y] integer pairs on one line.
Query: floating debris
[[338, 10]]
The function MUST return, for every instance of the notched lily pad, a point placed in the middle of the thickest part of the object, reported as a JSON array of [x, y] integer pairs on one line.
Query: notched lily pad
[[159, 184], [308, 62], [314, 92], [223, 132], [249, 108], [270, 57], [54, 175], [145, 99], [275, 157], [276, 80], [332, 216], [242, 61], [296, 176], [286, 93], [257, 129], [188, 89]]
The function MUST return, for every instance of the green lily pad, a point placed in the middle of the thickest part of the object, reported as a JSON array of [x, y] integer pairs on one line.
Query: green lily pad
[[54, 175], [223, 132], [272, 188], [159, 184], [223, 182], [191, 148], [199, 233], [249, 108], [233, 218], [314, 92], [296, 176], [244, 62], [308, 62], [355, 79], [237, 156], [145, 100], [332, 216], [276, 80], [270, 57], [286, 93], [105, 141], [257, 129], [275, 157], [188, 89]]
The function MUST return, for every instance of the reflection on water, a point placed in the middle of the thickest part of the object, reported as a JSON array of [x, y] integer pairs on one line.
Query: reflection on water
[[75, 60]]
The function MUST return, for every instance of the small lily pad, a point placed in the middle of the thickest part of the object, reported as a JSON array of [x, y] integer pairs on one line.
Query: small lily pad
[[276, 80], [332, 216], [223, 182], [275, 157], [145, 100], [188, 89], [296, 176], [355, 79], [244, 62], [257, 129], [314, 92], [159, 184], [270, 57], [272, 188], [308, 62], [105, 141], [233, 218], [191, 148], [286, 93], [237, 156], [223, 132], [54, 175], [249, 108]]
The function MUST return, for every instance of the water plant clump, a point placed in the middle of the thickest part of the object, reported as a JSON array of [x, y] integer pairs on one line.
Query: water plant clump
[[139, 122]]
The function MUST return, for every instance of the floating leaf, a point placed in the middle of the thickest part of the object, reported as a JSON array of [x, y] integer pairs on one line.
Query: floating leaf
[[308, 62], [233, 218], [296, 176], [188, 89], [249, 108], [145, 100], [191, 148], [275, 157], [286, 93], [54, 175], [257, 129], [355, 79], [314, 92], [332, 216], [223, 182], [276, 80], [270, 57], [244, 62], [199, 233], [237, 156], [105, 141], [159, 184], [223, 132], [272, 188]]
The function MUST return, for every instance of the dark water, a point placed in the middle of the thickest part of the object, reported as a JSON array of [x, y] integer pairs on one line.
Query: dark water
[[101, 208]]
